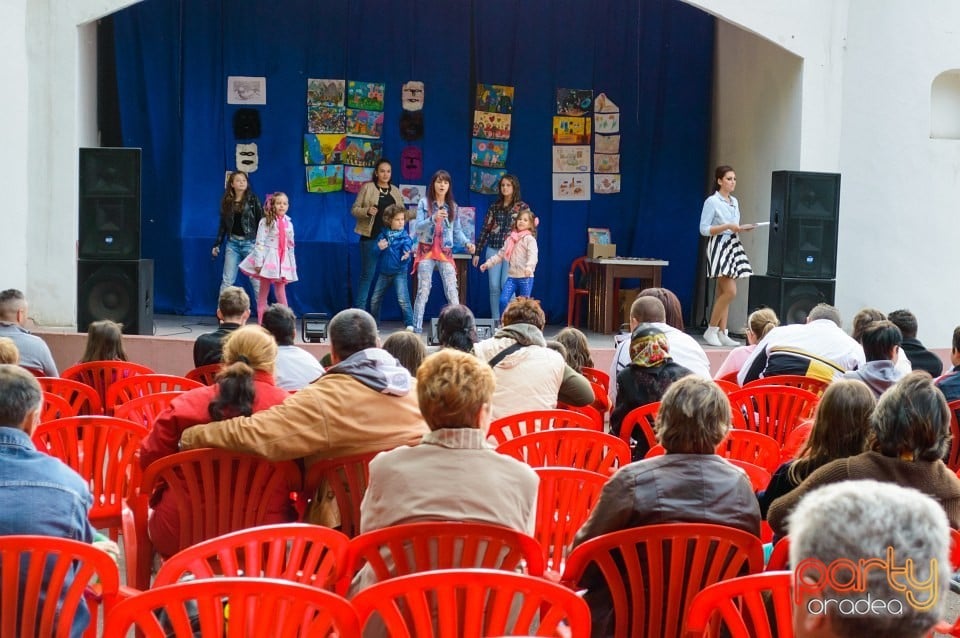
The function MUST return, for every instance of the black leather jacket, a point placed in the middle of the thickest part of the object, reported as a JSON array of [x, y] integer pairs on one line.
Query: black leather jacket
[[249, 220]]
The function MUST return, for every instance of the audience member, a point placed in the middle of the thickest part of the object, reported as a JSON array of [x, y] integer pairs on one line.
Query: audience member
[[920, 358], [647, 308], [689, 484], [407, 348], [841, 425], [529, 375], [759, 324], [644, 381], [880, 341], [673, 311], [364, 403], [577, 348], [457, 328], [868, 524], [557, 347], [104, 342], [864, 318], [819, 348], [295, 366], [34, 353], [949, 383], [244, 385], [39, 494], [233, 310], [909, 437], [8, 351]]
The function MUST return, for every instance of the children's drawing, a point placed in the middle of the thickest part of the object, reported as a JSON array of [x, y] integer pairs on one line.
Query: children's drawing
[[494, 98], [365, 95], [606, 143], [362, 123], [607, 122], [571, 186], [325, 92], [571, 130], [468, 219], [326, 119], [246, 90], [412, 193], [324, 179], [606, 184], [354, 177], [411, 94], [323, 149], [603, 104], [362, 152], [489, 153], [571, 159], [606, 163], [485, 180], [491, 126], [574, 101]]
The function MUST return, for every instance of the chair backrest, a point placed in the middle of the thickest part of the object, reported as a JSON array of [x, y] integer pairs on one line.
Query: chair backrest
[[123, 390], [953, 454], [472, 603], [780, 556], [588, 410], [100, 375], [774, 410], [207, 375], [43, 582], [83, 398], [507, 427], [399, 550], [601, 401], [595, 375], [101, 449], [753, 606], [578, 272], [565, 499], [759, 477], [639, 424], [812, 385], [653, 572], [726, 385], [248, 606], [346, 478], [144, 410], [216, 491], [750, 446], [569, 447], [301, 553], [55, 407]]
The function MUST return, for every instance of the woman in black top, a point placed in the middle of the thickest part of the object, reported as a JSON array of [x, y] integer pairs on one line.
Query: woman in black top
[[240, 213]]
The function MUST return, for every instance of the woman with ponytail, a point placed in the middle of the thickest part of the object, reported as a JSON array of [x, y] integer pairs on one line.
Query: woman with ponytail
[[759, 323], [244, 385]]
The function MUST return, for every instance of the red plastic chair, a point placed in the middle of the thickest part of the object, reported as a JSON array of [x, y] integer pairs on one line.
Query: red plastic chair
[[508, 427], [418, 547], [579, 272], [569, 447], [810, 384], [595, 375], [214, 492], [953, 455], [55, 407], [653, 572], [750, 446], [45, 604], [207, 375], [564, 501], [144, 410], [100, 375], [727, 386], [601, 401], [780, 556], [754, 606], [774, 410], [759, 477], [640, 422], [472, 603], [234, 607], [36, 372], [297, 552], [130, 388], [83, 398], [587, 410], [346, 478]]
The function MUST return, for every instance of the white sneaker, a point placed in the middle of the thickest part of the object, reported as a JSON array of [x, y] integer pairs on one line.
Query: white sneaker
[[727, 341], [712, 336], [409, 328]]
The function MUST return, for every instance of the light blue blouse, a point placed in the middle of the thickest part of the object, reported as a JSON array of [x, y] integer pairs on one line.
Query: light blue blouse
[[717, 212]]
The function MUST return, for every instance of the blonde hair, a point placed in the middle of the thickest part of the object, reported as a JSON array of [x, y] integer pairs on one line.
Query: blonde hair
[[251, 346], [762, 321], [8, 351], [452, 387]]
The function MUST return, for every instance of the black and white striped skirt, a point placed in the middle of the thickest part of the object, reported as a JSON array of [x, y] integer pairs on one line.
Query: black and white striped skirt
[[727, 258]]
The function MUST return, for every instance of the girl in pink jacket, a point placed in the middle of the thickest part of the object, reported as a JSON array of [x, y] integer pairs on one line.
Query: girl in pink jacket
[[272, 260], [520, 252]]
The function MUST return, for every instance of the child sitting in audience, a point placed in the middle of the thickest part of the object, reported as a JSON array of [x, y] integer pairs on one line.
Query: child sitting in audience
[[104, 342]]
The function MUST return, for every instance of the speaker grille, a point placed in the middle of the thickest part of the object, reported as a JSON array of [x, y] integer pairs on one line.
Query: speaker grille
[[121, 291]]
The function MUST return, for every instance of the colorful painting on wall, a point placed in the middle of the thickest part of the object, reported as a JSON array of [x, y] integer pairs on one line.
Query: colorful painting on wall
[[468, 222], [362, 152], [412, 193], [354, 177], [571, 159], [326, 119], [494, 98], [323, 149], [325, 92], [365, 95], [606, 143], [571, 186], [574, 102], [571, 130], [485, 180], [491, 126], [361, 123], [606, 184], [607, 122], [490, 153], [324, 179], [606, 163]]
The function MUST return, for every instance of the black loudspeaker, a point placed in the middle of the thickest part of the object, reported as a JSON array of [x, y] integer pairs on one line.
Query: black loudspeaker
[[791, 298], [804, 208], [109, 203], [121, 291]]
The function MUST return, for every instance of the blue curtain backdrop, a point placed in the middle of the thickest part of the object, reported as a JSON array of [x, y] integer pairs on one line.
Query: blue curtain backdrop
[[653, 58]]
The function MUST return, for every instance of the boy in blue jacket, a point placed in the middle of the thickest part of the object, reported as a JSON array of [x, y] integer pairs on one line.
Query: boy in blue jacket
[[396, 245]]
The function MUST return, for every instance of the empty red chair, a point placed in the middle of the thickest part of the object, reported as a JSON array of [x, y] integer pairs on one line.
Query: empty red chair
[[569, 447], [514, 425], [588, 410], [82, 398], [752, 606], [100, 375], [144, 410], [750, 446], [727, 386], [637, 429], [564, 501], [759, 477], [346, 479], [810, 384], [595, 375], [207, 375], [55, 407], [132, 387], [774, 410], [578, 277]]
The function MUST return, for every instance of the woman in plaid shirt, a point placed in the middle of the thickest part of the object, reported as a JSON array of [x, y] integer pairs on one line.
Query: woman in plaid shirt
[[496, 227]]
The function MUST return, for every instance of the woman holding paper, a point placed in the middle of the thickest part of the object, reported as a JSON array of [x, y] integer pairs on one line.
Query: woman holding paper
[[726, 259]]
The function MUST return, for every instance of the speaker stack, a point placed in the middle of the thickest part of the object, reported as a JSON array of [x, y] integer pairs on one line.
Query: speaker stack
[[802, 250], [113, 282]]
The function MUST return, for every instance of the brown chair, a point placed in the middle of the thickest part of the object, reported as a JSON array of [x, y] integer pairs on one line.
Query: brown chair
[[579, 274]]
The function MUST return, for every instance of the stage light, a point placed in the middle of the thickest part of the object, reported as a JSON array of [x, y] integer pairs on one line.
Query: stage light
[[313, 326]]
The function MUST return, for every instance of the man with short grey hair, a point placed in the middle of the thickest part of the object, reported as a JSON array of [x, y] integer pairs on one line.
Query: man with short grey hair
[[34, 352]]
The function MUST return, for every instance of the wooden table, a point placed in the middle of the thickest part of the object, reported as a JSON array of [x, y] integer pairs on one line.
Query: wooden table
[[603, 314]]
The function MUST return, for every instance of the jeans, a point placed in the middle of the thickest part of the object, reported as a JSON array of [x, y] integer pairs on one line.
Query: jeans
[[236, 251], [448, 274], [369, 254], [399, 281], [523, 286], [498, 277]]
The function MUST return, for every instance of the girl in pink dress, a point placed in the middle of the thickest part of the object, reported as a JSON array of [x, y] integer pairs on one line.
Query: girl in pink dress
[[272, 260]]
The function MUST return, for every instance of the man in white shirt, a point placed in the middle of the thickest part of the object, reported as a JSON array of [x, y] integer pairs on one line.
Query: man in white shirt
[[683, 348], [296, 367]]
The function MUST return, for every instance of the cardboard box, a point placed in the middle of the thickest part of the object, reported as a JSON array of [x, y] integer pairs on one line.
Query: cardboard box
[[599, 251]]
